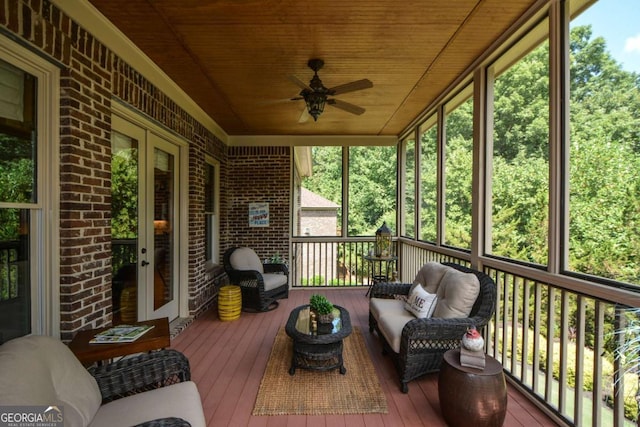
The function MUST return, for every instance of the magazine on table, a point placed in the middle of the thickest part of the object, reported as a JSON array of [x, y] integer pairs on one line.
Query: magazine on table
[[121, 333]]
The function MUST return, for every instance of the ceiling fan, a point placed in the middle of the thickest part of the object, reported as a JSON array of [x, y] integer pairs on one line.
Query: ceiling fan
[[316, 95]]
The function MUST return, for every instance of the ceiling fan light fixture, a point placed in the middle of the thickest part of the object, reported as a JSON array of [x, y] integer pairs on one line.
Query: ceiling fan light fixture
[[316, 95], [315, 104]]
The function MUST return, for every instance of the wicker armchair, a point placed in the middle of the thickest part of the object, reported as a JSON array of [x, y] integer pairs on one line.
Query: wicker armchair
[[151, 389], [261, 284], [141, 373], [424, 341]]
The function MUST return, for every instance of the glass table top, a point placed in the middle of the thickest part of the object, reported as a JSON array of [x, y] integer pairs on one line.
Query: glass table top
[[303, 323]]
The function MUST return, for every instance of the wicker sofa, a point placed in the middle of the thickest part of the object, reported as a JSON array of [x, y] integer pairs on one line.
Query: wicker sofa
[[151, 389], [261, 284], [417, 345]]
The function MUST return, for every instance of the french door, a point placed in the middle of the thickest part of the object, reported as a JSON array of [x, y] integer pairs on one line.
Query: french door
[[145, 170]]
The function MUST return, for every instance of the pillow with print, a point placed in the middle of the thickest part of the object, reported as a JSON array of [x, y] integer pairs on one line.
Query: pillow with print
[[421, 303]]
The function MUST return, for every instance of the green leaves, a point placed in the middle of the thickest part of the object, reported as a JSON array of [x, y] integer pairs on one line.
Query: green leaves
[[124, 194], [320, 304]]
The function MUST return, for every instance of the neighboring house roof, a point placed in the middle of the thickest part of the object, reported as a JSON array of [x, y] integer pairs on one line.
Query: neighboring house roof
[[310, 200]]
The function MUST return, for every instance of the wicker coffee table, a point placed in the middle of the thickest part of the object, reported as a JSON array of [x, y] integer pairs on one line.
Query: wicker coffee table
[[318, 350]]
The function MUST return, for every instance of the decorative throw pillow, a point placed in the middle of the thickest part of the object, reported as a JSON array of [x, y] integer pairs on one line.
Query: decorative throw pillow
[[457, 293], [421, 303], [429, 276]]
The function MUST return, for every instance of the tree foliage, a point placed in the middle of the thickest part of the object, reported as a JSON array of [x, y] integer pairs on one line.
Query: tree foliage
[[124, 194], [603, 169], [17, 181]]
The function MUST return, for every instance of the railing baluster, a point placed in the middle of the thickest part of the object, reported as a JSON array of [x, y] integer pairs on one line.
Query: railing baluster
[[537, 327], [578, 397], [598, 348], [564, 341], [505, 315], [551, 321], [524, 365], [618, 377], [515, 308]]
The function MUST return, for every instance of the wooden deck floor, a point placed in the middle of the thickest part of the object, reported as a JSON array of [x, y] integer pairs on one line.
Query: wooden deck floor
[[228, 360]]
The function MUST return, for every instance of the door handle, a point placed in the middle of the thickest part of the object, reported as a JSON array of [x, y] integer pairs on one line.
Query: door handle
[[144, 263]]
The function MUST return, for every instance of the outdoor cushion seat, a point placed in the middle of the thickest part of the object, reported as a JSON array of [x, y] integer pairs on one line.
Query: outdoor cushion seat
[[273, 281], [393, 316], [180, 400], [151, 389], [261, 284], [464, 298]]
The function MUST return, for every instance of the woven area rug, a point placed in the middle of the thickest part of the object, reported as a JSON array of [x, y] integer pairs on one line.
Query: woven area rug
[[320, 392]]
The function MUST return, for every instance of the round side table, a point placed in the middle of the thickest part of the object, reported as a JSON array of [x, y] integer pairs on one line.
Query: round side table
[[471, 396], [229, 303]]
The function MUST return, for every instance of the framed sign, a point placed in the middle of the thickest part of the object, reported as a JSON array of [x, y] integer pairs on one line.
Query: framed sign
[[258, 214]]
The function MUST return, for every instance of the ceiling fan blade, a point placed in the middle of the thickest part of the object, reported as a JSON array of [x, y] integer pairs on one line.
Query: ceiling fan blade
[[353, 109], [300, 83], [304, 117], [350, 87]]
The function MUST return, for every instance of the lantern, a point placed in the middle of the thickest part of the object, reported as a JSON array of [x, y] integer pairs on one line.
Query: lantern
[[383, 241]]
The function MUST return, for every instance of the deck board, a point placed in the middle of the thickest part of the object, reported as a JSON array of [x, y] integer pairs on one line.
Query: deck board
[[228, 360]]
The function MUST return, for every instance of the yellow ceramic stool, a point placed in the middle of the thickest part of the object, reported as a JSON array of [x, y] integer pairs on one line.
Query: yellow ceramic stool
[[229, 303]]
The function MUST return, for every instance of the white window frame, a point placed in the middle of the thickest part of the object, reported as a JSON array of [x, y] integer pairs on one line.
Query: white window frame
[[45, 217], [215, 214]]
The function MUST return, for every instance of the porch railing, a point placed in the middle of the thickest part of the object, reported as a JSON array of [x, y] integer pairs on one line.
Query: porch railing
[[327, 261], [554, 335], [556, 339]]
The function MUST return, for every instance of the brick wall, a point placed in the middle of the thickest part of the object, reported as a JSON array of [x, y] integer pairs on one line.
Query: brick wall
[[91, 76], [257, 174]]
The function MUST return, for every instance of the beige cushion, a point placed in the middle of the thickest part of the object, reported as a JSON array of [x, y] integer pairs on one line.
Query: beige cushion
[[245, 259], [457, 293], [273, 280], [429, 276], [40, 370], [421, 303], [180, 400], [380, 306], [392, 322]]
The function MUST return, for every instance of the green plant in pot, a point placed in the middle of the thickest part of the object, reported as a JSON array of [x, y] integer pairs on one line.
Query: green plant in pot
[[322, 307]]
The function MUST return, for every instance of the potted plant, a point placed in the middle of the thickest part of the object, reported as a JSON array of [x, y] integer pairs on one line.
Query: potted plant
[[322, 307], [276, 259]]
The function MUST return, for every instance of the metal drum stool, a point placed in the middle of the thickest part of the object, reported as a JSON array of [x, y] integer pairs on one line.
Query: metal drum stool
[[229, 303], [472, 397]]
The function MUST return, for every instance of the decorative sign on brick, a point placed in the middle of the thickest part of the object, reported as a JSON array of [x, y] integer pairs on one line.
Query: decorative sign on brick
[[258, 214]]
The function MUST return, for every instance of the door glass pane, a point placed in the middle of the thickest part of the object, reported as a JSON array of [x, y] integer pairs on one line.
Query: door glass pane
[[124, 227], [163, 175]]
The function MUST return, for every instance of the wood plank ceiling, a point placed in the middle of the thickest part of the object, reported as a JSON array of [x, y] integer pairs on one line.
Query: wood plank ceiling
[[235, 57]]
